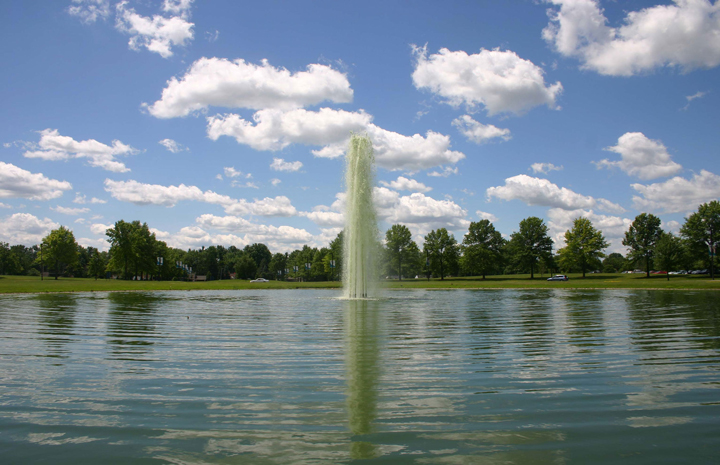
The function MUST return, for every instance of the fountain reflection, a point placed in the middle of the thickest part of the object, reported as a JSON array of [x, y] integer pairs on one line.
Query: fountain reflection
[[362, 372]]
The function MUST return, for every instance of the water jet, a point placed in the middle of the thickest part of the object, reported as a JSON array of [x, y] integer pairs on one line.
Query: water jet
[[359, 241]]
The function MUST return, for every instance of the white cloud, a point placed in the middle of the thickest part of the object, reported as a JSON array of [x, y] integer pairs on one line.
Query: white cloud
[[90, 11], [641, 157], [541, 192], [231, 172], [70, 211], [17, 182], [404, 184], [275, 129], [172, 146], [237, 84], [478, 132], [612, 227], [168, 196], [544, 167], [328, 219], [53, 146], [100, 229], [686, 35], [395, 151], [247, 184], [25, 229], [157, 34], [486, 216], [279, 164], [82, 199], [177, 7], [275, 181], [447, 171], [677, 194], [501, 81], [3, 205], [690, 98]]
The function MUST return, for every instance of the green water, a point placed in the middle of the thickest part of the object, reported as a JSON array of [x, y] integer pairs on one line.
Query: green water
[[277, 377]]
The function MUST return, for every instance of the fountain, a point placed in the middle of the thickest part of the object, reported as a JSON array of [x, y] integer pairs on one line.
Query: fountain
[[359, 241]]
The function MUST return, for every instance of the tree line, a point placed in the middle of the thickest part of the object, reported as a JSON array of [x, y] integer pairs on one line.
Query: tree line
[[136, 253]]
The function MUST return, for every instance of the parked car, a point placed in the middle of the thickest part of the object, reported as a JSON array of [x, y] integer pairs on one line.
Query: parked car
[[558, 277], [260, 280]]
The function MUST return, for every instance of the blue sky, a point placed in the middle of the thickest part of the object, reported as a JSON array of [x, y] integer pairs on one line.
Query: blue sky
[[225, 122]]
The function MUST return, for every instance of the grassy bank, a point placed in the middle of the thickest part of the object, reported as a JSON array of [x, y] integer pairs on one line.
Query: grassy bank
[[25, 284]]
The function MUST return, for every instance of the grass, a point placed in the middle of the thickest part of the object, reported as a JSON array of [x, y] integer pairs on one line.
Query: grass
[[27, 284]]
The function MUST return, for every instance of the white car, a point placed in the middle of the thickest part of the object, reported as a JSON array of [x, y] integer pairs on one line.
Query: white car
[[260, 280], [558, 277]]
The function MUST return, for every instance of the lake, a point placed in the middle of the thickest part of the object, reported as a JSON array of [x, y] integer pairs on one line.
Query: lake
[[303, 377]]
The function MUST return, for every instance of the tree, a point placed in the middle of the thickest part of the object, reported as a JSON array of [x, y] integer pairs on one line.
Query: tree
[[60, 249], [443, 251], [245, 267], [482, 249], [96, 266], [531, 243], [583, 245], [277, 266], [668, 252], [641, 238], [613, 263], [398, 242], [703, 227], [121, 246], [261, 255]]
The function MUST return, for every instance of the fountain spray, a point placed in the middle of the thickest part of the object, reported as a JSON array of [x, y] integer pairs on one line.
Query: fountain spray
[[359, 239]]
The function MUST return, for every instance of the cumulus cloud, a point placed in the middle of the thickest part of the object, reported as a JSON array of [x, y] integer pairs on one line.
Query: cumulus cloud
[[478, 132], [685, 34], [25, 229], [641, 157], [237, 231], [53, 146], [541, 192], [279, 164], [82, 199], [231, 172], [177, 7], [486, 216], [70, 211], [237, 84], [159, 33], [168, 196], [172, 146], [500, 81], [447, 171], [275, 182], [677, 194], [544, 167], [276, 129], [90, 11], [612, 227], [99, 228], [17, 182], [404, 184]]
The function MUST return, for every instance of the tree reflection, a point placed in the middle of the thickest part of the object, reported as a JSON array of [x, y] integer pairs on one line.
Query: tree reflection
[[362, 372], [57, 320], [131, 325]]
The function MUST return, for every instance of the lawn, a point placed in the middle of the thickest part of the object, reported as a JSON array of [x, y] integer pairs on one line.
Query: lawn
[[26, 284]]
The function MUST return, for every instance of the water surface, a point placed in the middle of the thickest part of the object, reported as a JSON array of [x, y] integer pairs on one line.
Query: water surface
[[299, 376]]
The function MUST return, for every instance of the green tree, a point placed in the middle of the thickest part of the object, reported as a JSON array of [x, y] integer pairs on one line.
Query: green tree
[[278, 264], [96, 266], [245, 267], [531, 243], [668, 253], [703, 228], [482, 249], [398, 247], [336, 253], [60, 249], [443, 251], [613, 263], [641, 238], [584, 245], [120, 237]]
